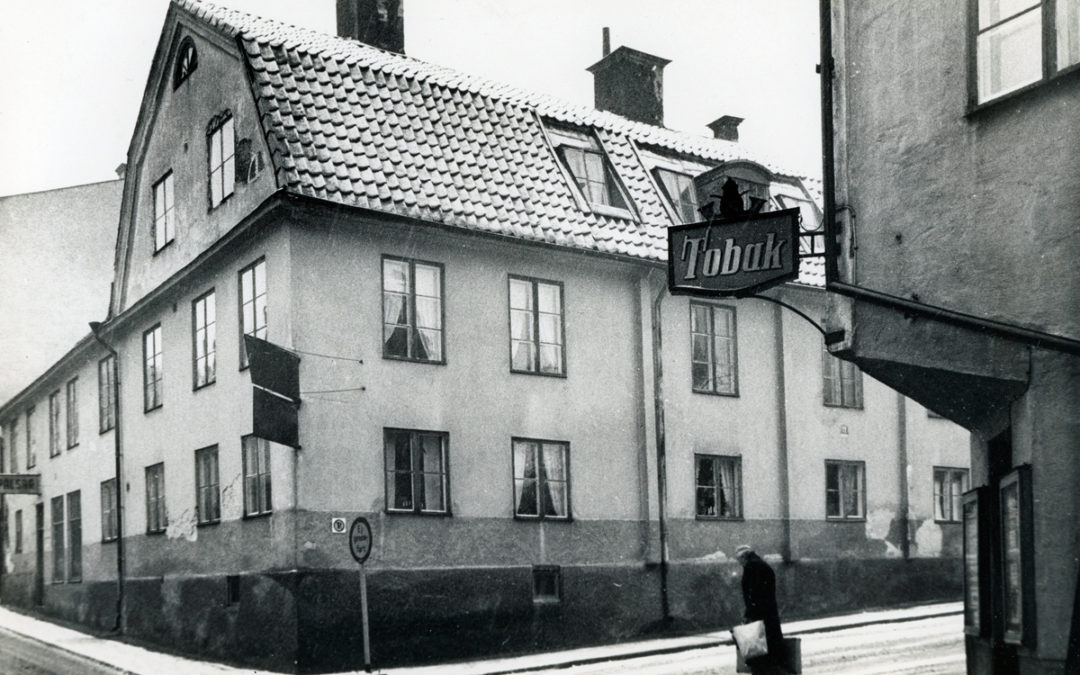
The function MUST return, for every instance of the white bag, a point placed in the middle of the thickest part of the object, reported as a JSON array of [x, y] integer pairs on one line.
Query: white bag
[[750, 639]]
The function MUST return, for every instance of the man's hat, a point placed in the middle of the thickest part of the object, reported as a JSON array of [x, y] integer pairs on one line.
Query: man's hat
[[742, 550]]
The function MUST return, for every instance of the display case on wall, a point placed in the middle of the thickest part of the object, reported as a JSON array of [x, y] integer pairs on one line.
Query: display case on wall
[[977, 523], [1017, 562]]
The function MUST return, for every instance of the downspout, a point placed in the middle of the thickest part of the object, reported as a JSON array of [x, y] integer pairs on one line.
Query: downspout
[[901, 444], [661, 452], [783, 465], [118, 626], [826, 69]]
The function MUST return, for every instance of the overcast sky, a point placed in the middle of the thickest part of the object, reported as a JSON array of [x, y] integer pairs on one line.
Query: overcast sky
[[74, 70]]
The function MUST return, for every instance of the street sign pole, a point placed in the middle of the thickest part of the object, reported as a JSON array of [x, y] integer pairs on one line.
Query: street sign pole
[[360, 547], [364, 614]]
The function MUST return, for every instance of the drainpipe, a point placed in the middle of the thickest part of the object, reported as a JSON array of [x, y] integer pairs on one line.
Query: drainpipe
[[661, 452], [783, 463], [828, 187], [95, 327], [901, 443]]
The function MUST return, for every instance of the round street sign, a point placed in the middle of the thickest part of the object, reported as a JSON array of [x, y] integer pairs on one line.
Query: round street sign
[[360, 539]]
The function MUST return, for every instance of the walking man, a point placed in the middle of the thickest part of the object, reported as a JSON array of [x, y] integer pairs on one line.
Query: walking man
[[759, 600]]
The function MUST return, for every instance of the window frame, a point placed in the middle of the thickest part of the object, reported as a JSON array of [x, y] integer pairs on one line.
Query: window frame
[[547, 572], [215, 133], [677, 204], [54, 425], [59, 567], [202, 456], [258, 331], [737, 489], [263, 480], [860, 467], [31, 447], [207, 340], [180, 72], [416, 476], [713, 389], [74, 537], [413, 331], [106, 394], [154, 370], [535, 313], [833, 369], [540, 515], [165, 223], [157, 515], [586, 141], [71, 412], [110, 521], [18, 531], [956, 506]]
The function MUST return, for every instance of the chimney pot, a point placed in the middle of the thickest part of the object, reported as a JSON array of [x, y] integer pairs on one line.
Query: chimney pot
[[726, 128], [379, 23], [607, 41], [630, 83]]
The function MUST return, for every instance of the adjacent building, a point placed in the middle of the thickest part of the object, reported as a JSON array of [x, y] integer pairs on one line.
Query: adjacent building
[[551, 449], [951, 202]]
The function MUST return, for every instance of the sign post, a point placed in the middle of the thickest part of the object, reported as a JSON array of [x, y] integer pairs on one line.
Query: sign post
[[360, 547]]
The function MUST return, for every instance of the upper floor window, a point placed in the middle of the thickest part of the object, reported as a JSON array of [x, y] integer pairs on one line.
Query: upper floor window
[[412, 310], [106, 394], [949, 488], [204, 336], [843, 383], [31, 451], [845, 491], [1010, 52], [222, 168], [719, 486], [712, 343], [541, 479], [72, 412], [679, 189], [417, 479], [13, 443], [588, 165], [187, 60], [536, 327], [164, 213], [156, 517], [152, 369], [252, 305], [54, 424], [256, 476]]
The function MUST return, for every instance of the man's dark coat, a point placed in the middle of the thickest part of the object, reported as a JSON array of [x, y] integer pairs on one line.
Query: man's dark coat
[[759, 598]]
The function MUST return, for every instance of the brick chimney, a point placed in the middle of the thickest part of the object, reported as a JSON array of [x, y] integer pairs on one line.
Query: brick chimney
[[379, 23], [726, 128], [630, 83]]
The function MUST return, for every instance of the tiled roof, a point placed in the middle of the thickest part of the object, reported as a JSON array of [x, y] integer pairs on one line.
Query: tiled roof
[[349, 123]]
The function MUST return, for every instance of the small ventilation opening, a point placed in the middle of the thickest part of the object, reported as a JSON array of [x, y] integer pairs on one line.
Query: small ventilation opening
[[232, 589], [547, 584]]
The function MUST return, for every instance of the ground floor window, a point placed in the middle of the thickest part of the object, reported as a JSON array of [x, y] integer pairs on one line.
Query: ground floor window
[[257, 500], [949, 488], [109, 524], [74, 527], [417, 480], [541, 479], [156, 519], [57, 505], [207, 493], [845, 494], [719, 486]]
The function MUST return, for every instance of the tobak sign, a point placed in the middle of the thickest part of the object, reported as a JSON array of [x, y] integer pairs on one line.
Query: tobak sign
[[735, 256], [20, 483]]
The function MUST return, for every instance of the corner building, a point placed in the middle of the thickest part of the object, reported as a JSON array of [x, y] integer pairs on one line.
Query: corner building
[[551, 449]]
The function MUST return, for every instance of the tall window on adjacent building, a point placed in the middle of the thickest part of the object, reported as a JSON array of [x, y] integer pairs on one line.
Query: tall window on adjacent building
[[412, 310], [164, 213], [536, 327], [417, 479], [949, 488], [679, 189], [156, 516], [252, 305], [187, 60], [712, 344], [541, 479], [222, 168], [18, 531], [54, 424], [588, 165], [152, 369], [72, 392], [1020, 42], [109, 520], [719, 486], [845, 494], [256, 476], [31, 447], [13, 444], [843, 383], [58, 539], [106, 394], [204, 337], [74, 527], [207, 492]]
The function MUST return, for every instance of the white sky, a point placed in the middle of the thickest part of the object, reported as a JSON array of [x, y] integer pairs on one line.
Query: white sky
[[73, 71]]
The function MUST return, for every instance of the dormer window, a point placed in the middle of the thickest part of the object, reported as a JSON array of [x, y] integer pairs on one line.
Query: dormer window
[[187, 60], [222, 168], [164, 214], [679, 190], [588, 165]]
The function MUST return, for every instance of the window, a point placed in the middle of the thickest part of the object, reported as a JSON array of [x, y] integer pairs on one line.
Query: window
[[949, 488], [1009, 49], [541, 479], [845, 496], [679, 190], [187, 60], [222, 169], [719, 486], [207, 493], [18, 531], [252, 305], [31, 448], [54, 424], [152, 369], [74, 523], [13, 443], [256, 476], [547, 584], [106, 394], [58, 539], [156, 517], [843, 383], [109, 521], [712, 343], [73, 412], [587, 164], [536, 327], [3, 457], [164, 214], [417, 479], [412, 310], [204, 337]]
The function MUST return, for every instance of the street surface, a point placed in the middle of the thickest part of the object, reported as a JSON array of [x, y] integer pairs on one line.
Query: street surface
[[925, 647], [25, 656]]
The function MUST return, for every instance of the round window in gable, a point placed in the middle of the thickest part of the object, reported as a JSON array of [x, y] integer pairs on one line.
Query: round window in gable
[[187, 60]]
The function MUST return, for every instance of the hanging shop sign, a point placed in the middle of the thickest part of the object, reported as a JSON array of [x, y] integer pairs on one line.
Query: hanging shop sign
[[734, 256]]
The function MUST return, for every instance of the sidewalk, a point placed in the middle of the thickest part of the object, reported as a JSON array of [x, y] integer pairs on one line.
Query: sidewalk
[[139, 661]]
